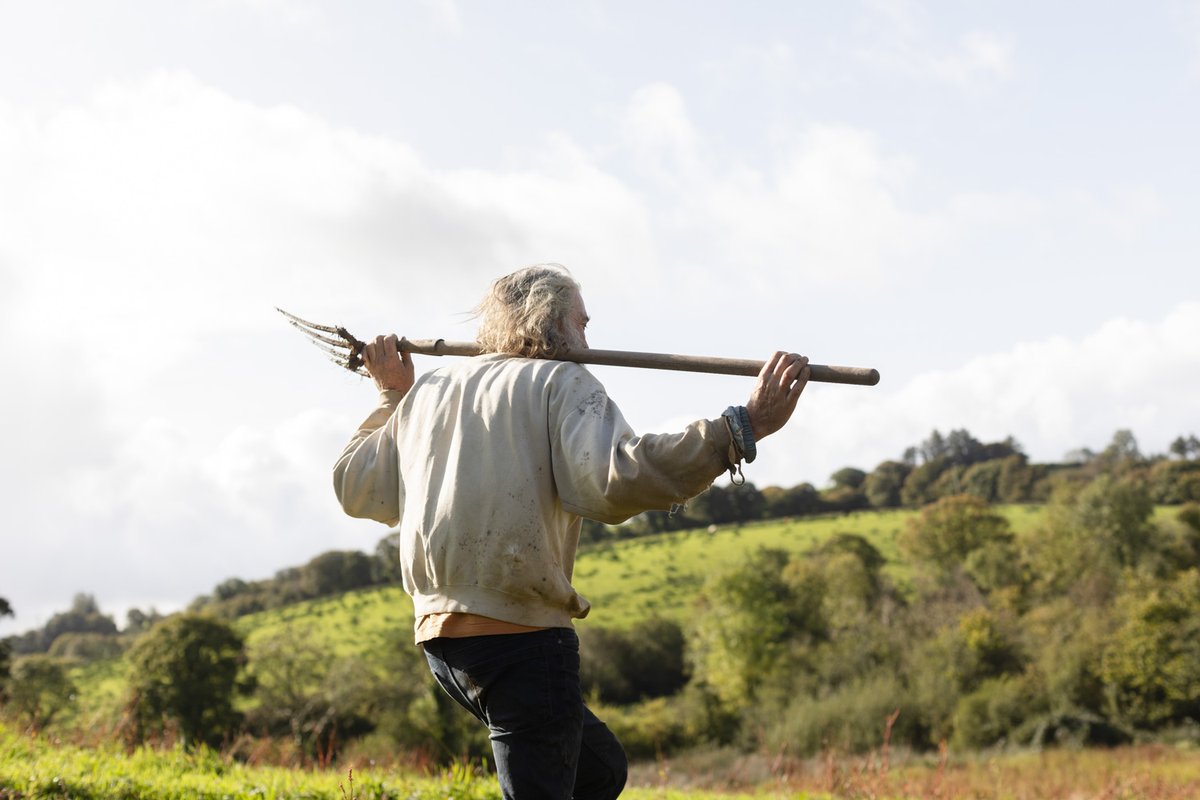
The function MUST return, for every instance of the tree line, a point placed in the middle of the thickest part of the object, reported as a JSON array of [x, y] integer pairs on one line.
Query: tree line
[[940, 466]]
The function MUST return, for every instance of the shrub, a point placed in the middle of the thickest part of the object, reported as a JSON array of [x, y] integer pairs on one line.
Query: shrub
[[852, 718], [627, 666], [39, 689], [184, 672], [948, 531], [1151, 664], [997, 709], [646, 729]]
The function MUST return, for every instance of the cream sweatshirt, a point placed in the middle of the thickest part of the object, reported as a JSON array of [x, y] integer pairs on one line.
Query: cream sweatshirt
[[489, 464]]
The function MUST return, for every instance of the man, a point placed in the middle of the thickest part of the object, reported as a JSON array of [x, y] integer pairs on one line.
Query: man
[[488, 466]]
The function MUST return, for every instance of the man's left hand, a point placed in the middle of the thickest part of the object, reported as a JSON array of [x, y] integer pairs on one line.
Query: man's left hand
[[390, 369]]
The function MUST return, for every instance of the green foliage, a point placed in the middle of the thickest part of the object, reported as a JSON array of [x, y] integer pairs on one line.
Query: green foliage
[[981, 645], [853, 718], [5, 652], [848, 478], [649, 728], [328, 574], [1185, 447], [185, 672], [884, 485], [998, 710], [301, 690], [1189, 515], [34, 768], [626, 666], [335, 572], [83, 617], [919, 485], [1092, 532], [86, 646], [816, 637], [748, 617], [951, 530], [1175, 482], [797, 501], [721, 505], [1118, 514], [1065, 641], [1151, 664], [39, 689]]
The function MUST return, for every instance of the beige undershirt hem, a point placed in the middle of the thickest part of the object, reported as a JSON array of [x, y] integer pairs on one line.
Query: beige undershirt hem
[[456, 625]]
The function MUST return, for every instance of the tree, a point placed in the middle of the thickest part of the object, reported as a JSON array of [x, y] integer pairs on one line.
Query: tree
[[230, 588], [83, 617], [919, 485], [1121, 452], [138, 621], [1117, 514], [185, 672], [963, 448], [385, 568], [335, 572], [794, 502], [630, 666], [884, 484], [1151, 666], [748, 620], [848, 477], [932, 448], [39, 688], [5, 650], [720, 505], [303, 689], [948, 531]]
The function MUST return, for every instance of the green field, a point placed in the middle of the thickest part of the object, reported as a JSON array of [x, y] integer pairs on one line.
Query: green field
[[32, 769], [627, 581]]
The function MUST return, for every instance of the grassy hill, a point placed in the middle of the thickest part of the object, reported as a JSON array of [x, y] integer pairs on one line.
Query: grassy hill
[[626, 580]]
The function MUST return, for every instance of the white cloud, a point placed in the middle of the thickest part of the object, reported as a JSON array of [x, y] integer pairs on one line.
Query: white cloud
[[897, 38], [1053, 396], [829, 203], [300, 13], [445, 14]]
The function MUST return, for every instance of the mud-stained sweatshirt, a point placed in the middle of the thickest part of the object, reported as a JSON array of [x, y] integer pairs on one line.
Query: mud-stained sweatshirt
[[489, 464]]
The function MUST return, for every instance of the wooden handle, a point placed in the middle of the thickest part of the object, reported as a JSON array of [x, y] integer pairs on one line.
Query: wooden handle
[[822, 373]]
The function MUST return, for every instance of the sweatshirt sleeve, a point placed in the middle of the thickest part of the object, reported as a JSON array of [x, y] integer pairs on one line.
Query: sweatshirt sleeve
[[604, 471], [366, 477]]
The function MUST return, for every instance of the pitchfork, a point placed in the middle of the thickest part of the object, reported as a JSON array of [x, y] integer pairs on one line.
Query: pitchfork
[[346, 351]]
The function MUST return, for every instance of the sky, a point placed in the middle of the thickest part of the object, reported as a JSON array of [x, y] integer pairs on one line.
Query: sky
[[992, 203]]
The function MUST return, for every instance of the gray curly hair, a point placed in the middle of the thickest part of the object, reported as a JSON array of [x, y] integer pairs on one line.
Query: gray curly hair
[[526, 312]]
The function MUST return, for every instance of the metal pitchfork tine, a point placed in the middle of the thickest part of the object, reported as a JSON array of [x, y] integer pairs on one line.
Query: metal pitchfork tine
[[346, 351]]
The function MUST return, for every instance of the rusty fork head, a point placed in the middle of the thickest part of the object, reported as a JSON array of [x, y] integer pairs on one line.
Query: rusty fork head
[[345, 350]]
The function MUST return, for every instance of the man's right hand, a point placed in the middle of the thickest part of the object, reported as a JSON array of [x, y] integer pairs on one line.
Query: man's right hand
[[390, 369], [782, 379]]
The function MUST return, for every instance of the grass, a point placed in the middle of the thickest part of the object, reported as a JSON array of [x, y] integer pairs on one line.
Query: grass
[[31, 768], [35, 768], [1131, 773], [659, 576]]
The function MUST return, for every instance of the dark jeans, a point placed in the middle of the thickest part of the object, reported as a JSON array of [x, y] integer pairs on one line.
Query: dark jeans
[[525, 688]]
